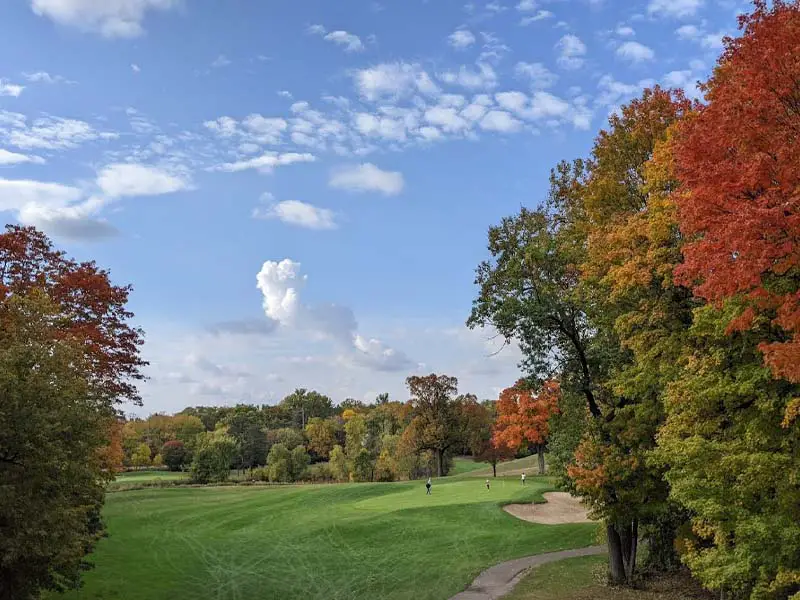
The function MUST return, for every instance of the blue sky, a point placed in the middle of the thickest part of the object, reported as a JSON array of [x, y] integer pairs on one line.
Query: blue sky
[[300, 191]]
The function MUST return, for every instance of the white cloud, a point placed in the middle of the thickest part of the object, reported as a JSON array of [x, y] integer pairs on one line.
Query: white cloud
[[613, 92], [461, 38], [13, 158], [393, 80], [55, 133], [688, 32], [281, 283], [539, 16], [110, 18], [482, 78], [264, 130], [635, 52], [527, 5], [45, 77], [539, 76], [367, 178], [136, 68], [674, 8], [10, 89], [447, 118], [500, 121], [571, 51], [220, 61], [713, 41], [14, 194], [350, 41], [625, 31], [126, 179], [298, 213], [266, 162]]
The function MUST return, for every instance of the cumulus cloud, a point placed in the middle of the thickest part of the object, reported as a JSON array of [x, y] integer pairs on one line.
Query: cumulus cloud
[[393, 80], [461, 38], [71, 212], [220, 62], [537, 74], [10, 89], [126, 179], [625, 31], [674, 8], [281, 284], [688, 32], [635, 52], [367, 177], [484, 77], [571, 51], [109, 18], [298, 213], [500, 121], [14, 158], [266, 162]]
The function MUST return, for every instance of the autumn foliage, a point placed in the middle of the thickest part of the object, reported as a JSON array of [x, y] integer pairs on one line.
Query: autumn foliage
[[523, 417], [738, 161]]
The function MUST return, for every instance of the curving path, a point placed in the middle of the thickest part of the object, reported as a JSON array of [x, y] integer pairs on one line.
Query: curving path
[[497, 581]]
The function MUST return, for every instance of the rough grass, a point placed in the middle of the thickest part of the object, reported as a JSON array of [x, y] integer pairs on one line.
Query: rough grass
[[581, 579], [465, 464], [351, 541]]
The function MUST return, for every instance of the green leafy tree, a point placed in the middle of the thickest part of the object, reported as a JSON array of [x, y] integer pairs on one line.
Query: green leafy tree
[[279, 464], [290, 438], [141, 458], [363, 466], [355, 436], [212, 460], [338, 463], [299, 463], [51, 485], [436, 425], [321, 434], [303, 405]]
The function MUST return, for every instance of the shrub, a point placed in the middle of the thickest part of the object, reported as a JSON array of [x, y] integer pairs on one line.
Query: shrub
[[259, 474], [362, 466], [319, 472], [213, 458], [175, 455]]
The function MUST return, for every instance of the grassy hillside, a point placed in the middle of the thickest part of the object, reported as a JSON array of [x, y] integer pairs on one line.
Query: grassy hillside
[[353, 541]]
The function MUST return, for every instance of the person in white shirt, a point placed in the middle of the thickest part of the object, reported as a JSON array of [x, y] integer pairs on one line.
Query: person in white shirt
[[487, 484], [523, 479]]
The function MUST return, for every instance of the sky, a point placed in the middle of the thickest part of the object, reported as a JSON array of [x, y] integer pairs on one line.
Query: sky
[[300, 192]]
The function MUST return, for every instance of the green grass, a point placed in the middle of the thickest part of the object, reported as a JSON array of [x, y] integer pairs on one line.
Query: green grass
[[559, 580], [583, 579], [139, 476], [465, 464], [337, 542]]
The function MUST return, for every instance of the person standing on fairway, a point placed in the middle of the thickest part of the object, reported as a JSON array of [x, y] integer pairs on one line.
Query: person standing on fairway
[[428, 486], [523, 478], [487, 484]]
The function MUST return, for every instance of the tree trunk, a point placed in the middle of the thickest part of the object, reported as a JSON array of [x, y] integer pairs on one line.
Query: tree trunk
[[616, 569], [622, 548], [540, 450], [494, 469], [439, 461]]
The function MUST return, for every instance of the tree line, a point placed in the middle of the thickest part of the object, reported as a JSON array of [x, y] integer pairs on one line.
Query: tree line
[[659, 284], [306, 437]]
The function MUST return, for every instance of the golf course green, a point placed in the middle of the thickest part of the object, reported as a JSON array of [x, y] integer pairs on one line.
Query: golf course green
[[345, 541]]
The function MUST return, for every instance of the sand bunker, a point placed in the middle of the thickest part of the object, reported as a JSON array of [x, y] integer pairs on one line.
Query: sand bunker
[[560, 508]]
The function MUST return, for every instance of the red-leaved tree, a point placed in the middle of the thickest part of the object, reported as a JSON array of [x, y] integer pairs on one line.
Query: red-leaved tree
[[91, 309], [738, 160], [523, 418]]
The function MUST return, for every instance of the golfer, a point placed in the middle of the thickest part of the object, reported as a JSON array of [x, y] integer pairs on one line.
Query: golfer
[[523, 479], [428, 486], [487, 484]]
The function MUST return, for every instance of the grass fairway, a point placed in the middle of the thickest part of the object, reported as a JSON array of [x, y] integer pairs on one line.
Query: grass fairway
[[465, 464], [352, 541]]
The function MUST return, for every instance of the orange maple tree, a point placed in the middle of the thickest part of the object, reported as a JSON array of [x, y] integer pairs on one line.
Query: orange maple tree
[[523, 417], [738, 160]]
